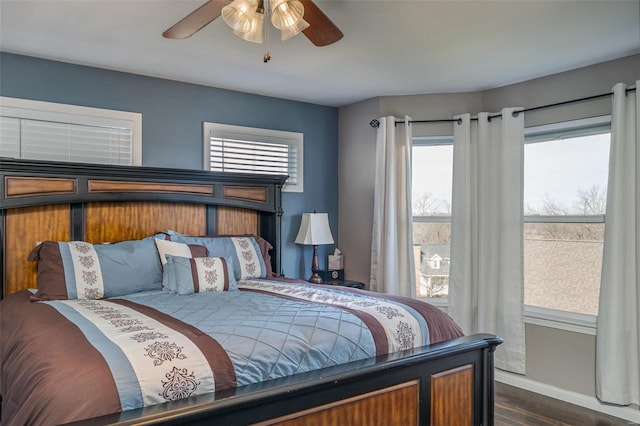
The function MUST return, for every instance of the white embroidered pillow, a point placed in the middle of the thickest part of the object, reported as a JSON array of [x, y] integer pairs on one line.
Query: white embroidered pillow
[[171, 248]]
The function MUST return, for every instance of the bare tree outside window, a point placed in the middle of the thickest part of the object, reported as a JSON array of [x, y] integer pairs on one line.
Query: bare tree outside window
[[428, 204], [591, 201], [588, 202]]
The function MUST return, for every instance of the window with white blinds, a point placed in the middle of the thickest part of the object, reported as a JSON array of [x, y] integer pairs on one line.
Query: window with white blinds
[[237, 149], [58, 132]]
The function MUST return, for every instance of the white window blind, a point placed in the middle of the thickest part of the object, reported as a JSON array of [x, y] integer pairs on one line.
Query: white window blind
[[238, 149], [242, 156], [9, 137], [58, 132], [44, 140]]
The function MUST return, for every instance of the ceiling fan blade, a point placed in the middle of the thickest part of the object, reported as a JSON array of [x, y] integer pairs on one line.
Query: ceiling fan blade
[[321, 30], [197, 19]]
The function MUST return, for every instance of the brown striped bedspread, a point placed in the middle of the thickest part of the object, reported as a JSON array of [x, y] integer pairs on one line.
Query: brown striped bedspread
[[63, 361]]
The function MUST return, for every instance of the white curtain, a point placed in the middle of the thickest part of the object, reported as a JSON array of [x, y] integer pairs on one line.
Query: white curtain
[[392, 264], [486, 277], [617, 341]]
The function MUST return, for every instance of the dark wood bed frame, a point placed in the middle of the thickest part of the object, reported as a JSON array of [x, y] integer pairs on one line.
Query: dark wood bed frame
[[449, 383]]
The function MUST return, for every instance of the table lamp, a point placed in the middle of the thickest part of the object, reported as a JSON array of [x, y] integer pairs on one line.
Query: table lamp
[[314, 230]]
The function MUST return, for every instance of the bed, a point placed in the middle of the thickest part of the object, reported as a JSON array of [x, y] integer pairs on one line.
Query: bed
[[186, 281]]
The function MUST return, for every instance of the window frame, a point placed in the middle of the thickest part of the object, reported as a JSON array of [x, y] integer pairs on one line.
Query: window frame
[[417, 141], [256, 134], [556, 318], [74, 114]]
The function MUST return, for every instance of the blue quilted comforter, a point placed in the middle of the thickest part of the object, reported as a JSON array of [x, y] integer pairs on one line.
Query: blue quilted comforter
[[148, 348]]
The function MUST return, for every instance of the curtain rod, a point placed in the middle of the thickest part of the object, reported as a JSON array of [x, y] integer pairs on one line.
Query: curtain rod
[[375, 123]]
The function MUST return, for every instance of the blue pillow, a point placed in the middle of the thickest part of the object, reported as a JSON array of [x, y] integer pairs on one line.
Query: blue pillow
[[81, 270]]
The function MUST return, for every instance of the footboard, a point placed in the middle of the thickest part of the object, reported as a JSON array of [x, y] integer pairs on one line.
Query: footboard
[[449, 383]]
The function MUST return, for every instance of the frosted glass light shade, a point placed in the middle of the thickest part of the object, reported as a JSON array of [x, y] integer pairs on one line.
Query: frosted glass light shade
[[255, 34], [239, 14], [287, 33], [286, 13], [314, 229]]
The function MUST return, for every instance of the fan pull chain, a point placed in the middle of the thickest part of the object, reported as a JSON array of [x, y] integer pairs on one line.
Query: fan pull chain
[[267, 12]]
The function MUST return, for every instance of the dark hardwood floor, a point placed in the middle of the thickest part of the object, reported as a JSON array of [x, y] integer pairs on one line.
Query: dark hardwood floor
[[518, 407]]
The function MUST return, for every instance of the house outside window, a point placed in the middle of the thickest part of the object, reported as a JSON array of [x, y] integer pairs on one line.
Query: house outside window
[[565, 187], [432, 172]]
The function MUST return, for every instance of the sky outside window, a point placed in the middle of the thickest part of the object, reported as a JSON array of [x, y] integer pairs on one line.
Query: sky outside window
[[553, 171], [432, 174], [559, 170]]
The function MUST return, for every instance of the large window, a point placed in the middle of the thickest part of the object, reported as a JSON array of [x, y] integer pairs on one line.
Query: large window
[[432, 172], [48, 131], [565, 187], [237, 149]]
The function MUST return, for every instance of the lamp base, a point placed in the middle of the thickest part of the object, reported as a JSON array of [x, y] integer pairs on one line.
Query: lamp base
[[315, 278]]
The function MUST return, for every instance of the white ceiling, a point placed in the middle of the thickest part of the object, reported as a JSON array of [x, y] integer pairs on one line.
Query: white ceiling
[[389, 47]]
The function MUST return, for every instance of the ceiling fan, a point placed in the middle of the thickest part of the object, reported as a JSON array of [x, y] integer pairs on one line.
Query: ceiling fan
[[245, 17]]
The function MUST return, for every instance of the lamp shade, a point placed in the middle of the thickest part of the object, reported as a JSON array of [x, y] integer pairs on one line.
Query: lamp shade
[[314, 229]]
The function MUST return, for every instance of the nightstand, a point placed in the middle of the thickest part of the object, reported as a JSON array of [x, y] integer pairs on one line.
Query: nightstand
[[345, 283]]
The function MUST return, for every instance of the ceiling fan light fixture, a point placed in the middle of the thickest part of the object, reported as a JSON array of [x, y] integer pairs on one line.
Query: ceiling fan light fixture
[[286, 13], [247, 18], [239, 15], [255, 34], [289, 32]]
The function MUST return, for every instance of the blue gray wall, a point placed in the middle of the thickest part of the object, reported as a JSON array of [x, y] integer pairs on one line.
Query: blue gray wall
[[172, 117]]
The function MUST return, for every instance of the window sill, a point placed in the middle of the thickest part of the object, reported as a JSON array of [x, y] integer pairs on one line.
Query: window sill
[[550, 318], [438, 302], [568, 321]]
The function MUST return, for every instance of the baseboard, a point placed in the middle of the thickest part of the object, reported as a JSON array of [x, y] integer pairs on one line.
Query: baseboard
[[627, 413]]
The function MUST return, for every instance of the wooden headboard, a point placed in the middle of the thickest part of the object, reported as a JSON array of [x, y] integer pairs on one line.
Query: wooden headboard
[[44, 200]]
